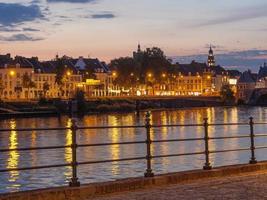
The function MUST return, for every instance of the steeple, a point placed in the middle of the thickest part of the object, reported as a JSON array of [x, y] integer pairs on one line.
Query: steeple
[[139, 48], [211, 51], [211, 58]]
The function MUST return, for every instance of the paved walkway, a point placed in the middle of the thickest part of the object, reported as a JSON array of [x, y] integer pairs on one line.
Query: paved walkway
[[249, 186]]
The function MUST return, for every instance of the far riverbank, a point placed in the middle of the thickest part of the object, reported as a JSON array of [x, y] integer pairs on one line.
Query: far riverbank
[[103, 105]]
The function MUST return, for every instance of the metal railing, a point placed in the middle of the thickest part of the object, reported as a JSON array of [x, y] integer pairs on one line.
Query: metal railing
[[148, 157]]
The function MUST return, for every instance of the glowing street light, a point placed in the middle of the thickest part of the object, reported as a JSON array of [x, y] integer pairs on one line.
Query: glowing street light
[[12, 73], [149, 75], [114, 74], [132, 74], [163, 75]]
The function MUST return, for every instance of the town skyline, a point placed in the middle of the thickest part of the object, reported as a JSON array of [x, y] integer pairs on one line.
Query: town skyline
[[108, 30], [227, 60]]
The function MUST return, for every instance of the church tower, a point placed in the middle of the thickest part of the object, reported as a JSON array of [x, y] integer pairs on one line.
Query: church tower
[[138, 55], [211, 58]]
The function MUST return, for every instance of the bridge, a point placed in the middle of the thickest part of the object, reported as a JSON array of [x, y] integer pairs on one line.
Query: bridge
[[258, 97], [79, 191]]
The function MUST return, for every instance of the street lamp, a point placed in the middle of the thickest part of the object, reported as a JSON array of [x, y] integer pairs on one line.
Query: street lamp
[[149, 75], [163, 75], [68, 73], [114, 74], [12, 73]]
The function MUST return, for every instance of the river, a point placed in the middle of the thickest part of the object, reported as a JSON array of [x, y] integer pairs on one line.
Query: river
[[42, 178]]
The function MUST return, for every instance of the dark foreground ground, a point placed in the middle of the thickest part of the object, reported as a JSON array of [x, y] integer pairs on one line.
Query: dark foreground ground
[[250, 186]]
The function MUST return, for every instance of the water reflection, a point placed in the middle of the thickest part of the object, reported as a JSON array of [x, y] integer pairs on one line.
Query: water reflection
[[114, 149], [111, 171], [68, 151], [33, 144], [13, 159]]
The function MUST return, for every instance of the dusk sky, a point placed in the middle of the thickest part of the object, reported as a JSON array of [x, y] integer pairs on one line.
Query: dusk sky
[[112, 28]]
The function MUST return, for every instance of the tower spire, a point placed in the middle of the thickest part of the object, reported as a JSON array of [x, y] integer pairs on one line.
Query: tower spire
[[211, 58], [139, 47]]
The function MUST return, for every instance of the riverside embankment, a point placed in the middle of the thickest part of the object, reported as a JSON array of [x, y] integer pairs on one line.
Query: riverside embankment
[[229, 182], [103, 105]]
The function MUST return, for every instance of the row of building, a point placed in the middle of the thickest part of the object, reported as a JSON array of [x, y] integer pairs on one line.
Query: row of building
[[89, 75], [28, 78]]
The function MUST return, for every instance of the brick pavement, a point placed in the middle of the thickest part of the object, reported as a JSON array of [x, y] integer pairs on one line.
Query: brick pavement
[[252, 186]]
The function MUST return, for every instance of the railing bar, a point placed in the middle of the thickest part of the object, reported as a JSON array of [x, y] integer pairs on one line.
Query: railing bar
[[109, 127], [229, 150], [35, 129], [174, 125], [35, 167], [260, 123], [109, 144], [260, 135], [261, 147], [228, 124], [106, 161], [177, 155], [35, 148], [229, 137], [138, 126], [177, 140]]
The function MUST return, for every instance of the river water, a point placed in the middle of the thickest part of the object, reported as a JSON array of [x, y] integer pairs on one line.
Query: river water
[[42, 178]]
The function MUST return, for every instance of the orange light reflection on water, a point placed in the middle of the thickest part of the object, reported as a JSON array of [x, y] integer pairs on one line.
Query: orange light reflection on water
[[13, 159]]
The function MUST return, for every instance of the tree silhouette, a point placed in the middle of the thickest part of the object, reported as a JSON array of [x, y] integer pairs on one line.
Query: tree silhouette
[[227, 95], [46, 88]]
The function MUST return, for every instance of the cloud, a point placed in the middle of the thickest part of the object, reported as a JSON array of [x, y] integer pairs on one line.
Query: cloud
[[9, 29], [31, 29], [103, 16], [19, 37], [15, 13], [71, 1], [237, 16]]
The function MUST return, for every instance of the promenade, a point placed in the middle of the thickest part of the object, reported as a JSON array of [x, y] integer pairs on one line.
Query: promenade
[[252, 186]]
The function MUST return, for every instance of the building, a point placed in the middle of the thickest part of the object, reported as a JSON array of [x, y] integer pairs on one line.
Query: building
[[22, 78], [12, 84], [211, 58], [190, 84], [262, 77], [97, 77], [245, 86]]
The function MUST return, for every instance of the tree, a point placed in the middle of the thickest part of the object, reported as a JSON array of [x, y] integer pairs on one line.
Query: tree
[[60, 71], [227, 94], [27, 82], [46, 87], [154, 62], [126, 71], [132, 71]]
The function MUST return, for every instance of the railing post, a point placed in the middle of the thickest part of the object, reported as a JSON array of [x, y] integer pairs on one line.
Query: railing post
[[252, 145], [148, 172], [207, 165], [74, 180]]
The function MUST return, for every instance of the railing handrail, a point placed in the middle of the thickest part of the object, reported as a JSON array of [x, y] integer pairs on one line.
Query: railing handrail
[[126, 126], [147, 126]]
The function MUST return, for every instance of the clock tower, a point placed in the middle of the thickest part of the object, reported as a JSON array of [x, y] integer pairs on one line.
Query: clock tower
[[211, 58]]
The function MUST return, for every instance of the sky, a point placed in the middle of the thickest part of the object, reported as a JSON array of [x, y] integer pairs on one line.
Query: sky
[[107, 29]]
